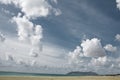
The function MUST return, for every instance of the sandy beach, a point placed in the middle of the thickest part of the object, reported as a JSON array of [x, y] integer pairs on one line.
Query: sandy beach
[[60, 78]]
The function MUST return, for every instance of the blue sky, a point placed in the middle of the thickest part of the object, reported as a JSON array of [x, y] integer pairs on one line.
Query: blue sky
[[91, 25], [80, 18]]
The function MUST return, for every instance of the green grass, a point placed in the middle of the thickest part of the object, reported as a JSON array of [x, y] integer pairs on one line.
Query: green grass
[[60, 78]]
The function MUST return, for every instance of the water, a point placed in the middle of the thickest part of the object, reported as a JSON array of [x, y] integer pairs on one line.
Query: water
[[27, 74]]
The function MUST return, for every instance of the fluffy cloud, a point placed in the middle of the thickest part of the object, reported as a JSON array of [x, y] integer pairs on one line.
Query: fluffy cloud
[[117, 37], [6, 1], [37, 36], [90, 53], [118, 3], [110, 48], [93, 48], [27, 31], [33, 9], [25, 27], [75, 55], [90, 48], [101, 61], [2, 37]]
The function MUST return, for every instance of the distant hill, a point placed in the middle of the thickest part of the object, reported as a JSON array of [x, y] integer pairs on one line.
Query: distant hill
[[77, 73], [112, 75]]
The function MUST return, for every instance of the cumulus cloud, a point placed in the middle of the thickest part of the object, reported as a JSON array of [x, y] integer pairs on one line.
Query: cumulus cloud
[[89, 48], [110, 48], [91, 55], [101, 61], [33, 9], [91, 63], [88, 54], [75, 55], [25, 27], [29, 32], [2, 37], [93, 48], [117, 37], [118, 3]]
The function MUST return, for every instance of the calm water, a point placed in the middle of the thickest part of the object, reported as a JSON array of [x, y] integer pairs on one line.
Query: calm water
[[27, 74]]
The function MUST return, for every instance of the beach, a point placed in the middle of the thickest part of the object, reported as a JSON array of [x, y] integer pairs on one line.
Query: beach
[[60, 78]]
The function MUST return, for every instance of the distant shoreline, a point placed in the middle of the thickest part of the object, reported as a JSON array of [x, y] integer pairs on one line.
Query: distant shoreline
[[4, 73]]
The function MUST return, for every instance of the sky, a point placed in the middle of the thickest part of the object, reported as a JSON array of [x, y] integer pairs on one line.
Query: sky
[[60, 36]]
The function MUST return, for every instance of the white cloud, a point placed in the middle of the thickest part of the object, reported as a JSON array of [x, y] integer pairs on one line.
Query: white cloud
[[5, 1], [91, 56], [37, 35], [117, 37], [90, 52], [29, 32], [90, 48], [51, 57], [33, 53], [20, 52], [2, 37], [33, 9], [93, 48], [118, 3], [110, 48], [101, 61], [25, 27], [75, 55]]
